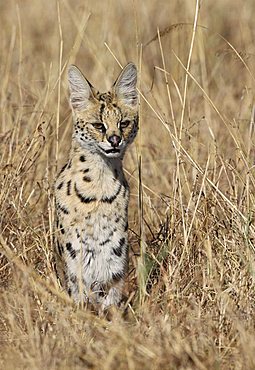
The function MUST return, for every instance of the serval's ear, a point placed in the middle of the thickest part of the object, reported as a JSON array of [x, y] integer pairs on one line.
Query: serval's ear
[[80, 89], [125, 85]]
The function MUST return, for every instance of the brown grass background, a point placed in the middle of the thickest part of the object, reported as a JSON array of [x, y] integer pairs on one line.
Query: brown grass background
[[192, 268]]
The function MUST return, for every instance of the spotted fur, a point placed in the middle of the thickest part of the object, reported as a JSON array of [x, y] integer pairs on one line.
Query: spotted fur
[[91, 191]]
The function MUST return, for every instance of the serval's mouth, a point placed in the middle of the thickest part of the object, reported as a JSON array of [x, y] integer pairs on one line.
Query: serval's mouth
[[113, 150], [112, 153]]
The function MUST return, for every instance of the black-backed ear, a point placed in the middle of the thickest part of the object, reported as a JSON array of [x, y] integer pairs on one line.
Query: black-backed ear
[[125, 85], [80, 89]]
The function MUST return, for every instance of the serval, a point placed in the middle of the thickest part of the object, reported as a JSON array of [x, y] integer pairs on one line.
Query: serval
[[91, 192]]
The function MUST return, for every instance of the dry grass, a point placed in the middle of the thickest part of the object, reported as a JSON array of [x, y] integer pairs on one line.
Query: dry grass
[[192, 259]]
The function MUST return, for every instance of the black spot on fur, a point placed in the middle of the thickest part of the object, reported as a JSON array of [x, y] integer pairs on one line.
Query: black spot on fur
[[118, 250], [102, 106], [117, 276], [126, 189], [73, 279], [77, 233], [102, 293], [112, 232], [86, 179], [83, 198], [105, 242], [60, 185], [89, 255], [113, 197], [62, 229], [62, 208], [69, 187], [63, 168], [126, 226], [71, 250], [122, 242], [82, 158]]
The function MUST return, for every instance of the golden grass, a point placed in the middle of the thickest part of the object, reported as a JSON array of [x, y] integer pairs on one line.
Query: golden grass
[[191, 293]]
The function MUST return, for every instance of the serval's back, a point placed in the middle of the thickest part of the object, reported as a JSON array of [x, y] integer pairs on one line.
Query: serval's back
[[91, 191]]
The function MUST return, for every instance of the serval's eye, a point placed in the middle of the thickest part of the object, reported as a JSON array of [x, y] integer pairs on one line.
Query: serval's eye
[[99, 126], [124, 124]]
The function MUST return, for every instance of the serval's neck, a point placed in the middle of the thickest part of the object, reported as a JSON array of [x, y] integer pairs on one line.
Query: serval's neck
[[83, 159]]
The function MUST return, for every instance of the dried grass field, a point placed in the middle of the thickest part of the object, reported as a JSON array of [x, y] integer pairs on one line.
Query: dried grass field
[[191, 285]]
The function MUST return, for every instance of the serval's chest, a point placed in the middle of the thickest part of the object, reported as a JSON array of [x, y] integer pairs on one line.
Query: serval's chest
[[92, 223], [87, 189]]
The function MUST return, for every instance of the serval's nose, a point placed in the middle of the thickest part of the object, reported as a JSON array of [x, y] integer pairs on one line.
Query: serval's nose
[[114, 140]]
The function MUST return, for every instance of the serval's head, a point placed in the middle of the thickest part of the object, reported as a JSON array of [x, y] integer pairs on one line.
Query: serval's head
[[108, 122]]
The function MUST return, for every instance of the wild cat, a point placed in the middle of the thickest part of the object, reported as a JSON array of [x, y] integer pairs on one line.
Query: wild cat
[[91, 192]]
